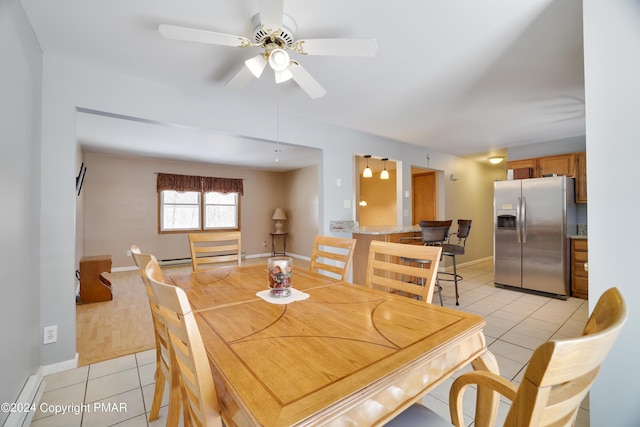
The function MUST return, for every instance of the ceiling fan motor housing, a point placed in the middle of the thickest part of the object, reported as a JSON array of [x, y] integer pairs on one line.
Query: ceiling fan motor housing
[[284, 38]]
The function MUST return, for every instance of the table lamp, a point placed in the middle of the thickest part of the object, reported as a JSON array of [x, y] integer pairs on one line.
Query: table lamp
[[279, 216]]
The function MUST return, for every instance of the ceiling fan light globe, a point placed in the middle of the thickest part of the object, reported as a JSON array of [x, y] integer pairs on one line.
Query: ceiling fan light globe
[[256, 65], [279, 59]]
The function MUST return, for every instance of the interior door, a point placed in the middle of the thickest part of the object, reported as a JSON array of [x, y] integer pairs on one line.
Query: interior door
[[424, 196]]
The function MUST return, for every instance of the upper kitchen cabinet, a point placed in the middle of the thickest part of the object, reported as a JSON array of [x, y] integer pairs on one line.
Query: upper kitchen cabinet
[[581, 177], [564, 164], [523, 169], [573, 165]]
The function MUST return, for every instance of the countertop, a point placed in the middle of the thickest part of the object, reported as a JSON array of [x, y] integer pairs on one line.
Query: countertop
[[578, 236], [380, 229]]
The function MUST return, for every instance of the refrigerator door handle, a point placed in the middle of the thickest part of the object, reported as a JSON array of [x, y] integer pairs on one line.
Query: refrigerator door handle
[[518, 219], [524, 220]]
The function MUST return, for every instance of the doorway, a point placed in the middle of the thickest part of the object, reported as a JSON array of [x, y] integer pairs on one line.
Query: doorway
[[424, 200]]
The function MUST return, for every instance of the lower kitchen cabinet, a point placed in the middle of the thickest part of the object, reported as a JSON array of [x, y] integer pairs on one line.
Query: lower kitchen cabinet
[[579, 274]]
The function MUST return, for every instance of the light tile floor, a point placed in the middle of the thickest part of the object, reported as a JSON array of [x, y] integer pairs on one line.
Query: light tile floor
[[119, 391]]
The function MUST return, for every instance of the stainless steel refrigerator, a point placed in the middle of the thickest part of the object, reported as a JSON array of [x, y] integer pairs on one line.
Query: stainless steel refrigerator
[[532, 220]]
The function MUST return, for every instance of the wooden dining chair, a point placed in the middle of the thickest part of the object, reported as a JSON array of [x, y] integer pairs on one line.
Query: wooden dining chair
[[209, 249], [336, 249], [165, 368], [557, 378], [385, 270], [188, 349]]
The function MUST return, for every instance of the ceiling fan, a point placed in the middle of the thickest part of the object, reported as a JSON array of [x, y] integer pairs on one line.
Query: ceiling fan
[[274, 32]]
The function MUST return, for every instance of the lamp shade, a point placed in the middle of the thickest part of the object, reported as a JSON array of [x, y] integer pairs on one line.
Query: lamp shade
[[279, 214]]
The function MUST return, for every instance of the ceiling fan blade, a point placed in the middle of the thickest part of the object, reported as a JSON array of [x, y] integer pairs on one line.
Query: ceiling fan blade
[[202, 36], [337, 47], [271, 14], [241, 79], [306, 81]]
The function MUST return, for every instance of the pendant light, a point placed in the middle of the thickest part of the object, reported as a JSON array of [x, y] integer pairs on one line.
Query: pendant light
[[367, 171], [385, 173]]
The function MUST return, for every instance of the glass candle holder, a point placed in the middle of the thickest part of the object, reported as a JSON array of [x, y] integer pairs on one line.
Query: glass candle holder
[[280, 270]]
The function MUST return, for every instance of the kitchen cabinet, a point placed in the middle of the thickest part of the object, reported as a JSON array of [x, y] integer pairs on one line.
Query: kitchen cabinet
[[573, 165], [364, 236], [523, 169], [564, 164], [581, 177], [579, 268]]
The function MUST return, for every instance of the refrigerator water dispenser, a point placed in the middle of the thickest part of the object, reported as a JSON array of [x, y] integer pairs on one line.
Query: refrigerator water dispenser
[[506, 220]]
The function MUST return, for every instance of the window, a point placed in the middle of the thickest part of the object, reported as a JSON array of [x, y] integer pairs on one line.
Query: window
[[198, 203], [221, 210], [185, 211]]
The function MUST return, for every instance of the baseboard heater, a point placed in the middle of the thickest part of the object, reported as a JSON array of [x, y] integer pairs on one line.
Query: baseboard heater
[[184, 261], [175, 261]]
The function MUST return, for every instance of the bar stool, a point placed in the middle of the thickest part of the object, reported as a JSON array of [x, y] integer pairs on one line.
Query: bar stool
[[434, 233], [451, 250]]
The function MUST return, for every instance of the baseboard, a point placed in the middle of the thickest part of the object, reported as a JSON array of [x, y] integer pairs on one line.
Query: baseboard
[[269, 254], [31, 394], [130, 268], [60, 366], [472, 262]]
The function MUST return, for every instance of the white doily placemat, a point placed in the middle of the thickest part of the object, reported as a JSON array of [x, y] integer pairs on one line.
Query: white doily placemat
[[296, 295]]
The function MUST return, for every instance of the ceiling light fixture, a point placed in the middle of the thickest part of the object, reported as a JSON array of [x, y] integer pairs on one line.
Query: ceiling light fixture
[[367, 173], [256, 65], [385, 173], [279, 59], [496, 160]]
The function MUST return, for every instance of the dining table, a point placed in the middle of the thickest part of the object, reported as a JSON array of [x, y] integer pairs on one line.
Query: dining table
[[347, 355]]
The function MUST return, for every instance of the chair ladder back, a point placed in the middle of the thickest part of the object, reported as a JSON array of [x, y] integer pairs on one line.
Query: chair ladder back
[[560, 372], [189, 353], [385, 270], [335, 249], [208, 249], [165, 366]]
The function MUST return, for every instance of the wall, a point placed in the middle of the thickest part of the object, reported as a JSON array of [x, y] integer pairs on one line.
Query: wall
[[301, 205], [121, 206], [474, 200], [612, 67], [548, 148], [68, 85], [20, 86], [380, 195]]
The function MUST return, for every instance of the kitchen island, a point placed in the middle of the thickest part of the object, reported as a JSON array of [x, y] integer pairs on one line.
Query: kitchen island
[[365, 234]]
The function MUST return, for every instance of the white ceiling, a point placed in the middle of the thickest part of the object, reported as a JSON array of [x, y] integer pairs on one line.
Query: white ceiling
[[461, 76]]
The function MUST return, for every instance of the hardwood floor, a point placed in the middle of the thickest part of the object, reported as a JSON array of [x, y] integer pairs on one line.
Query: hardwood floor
[[110, 329]]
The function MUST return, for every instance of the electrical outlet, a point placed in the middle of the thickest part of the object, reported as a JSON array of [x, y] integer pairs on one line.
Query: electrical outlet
[[128, 253], [50, 334], [264, 243]]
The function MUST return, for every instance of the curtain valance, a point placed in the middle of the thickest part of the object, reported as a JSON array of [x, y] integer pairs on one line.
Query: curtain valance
[[206, 184]]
